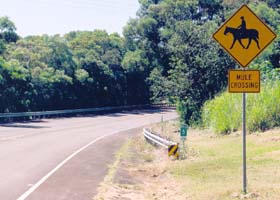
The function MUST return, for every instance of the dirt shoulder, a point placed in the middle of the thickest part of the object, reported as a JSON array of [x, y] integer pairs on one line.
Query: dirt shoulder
[[140, 172]]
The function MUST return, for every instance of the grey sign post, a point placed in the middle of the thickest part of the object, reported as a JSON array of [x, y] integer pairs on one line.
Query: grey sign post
[[244, 142]]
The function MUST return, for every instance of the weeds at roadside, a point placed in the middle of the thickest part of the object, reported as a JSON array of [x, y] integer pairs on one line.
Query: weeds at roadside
[[223, 114]]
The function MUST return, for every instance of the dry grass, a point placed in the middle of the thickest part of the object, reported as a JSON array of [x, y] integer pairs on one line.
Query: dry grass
[[141, 175], [212, 170], [107, 184]]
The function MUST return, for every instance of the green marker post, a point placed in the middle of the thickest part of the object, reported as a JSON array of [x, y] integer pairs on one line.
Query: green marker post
[[183, 134]]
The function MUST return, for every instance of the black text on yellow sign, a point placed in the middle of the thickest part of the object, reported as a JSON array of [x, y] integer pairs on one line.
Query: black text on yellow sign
[[244, 36], [244, 81]]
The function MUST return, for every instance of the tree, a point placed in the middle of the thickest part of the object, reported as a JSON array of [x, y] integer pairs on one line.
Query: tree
[[7, 30]]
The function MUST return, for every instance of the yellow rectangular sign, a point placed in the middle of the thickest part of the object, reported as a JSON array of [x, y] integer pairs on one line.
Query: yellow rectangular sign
[[247, 81]]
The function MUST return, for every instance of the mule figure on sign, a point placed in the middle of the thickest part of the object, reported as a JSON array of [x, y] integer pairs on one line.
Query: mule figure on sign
[[243, 33]]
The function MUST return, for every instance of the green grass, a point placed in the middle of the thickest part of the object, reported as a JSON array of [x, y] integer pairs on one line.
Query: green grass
[[223, 114], [215, 170]]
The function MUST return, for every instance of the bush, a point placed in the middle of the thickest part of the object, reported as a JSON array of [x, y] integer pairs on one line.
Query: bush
[[223, 114], [264, 108]]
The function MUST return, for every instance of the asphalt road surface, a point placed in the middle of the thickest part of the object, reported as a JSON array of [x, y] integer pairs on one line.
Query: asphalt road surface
[[57, 159]]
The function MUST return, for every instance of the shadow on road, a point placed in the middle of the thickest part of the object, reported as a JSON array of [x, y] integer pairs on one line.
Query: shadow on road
[[22, 126], [139, 112]]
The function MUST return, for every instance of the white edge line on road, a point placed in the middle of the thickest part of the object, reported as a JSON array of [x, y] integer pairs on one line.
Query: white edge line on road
[[42, 180]]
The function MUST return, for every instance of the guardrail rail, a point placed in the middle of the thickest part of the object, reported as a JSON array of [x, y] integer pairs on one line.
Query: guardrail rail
[[157, 139], [172, 147], [43, 114]]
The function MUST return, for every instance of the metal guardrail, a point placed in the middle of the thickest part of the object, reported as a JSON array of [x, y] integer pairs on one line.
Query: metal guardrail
[[164, 105], [79, 111], [62, 112], [157, 139]]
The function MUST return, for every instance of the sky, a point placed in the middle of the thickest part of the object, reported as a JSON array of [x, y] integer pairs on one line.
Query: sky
[[37, 17]]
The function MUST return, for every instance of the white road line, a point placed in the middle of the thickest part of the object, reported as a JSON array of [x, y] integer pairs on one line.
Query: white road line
[[42, 180]]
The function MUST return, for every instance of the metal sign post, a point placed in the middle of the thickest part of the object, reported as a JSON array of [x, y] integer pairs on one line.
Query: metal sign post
[[183, 134], [244, 142], [161, 124], [183, 149]]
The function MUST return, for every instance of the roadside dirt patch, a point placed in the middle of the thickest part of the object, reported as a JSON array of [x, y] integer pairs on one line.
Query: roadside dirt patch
[[141, 174]]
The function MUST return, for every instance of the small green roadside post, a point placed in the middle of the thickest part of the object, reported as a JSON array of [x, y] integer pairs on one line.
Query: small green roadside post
[[183, 134], [183, 131]]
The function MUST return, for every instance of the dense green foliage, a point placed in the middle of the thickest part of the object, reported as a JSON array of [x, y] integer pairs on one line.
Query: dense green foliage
[[183, 62], [80, 69], [167, 54], [223, 113]]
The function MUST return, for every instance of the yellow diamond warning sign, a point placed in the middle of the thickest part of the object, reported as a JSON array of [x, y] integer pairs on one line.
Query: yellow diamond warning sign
[[240, 81], [244, 36]]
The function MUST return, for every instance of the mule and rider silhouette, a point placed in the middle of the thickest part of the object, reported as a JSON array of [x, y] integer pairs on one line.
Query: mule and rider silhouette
[[241, 32], [242, 27]]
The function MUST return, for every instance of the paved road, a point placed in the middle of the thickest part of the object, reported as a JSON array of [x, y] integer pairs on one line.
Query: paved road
[[50, 159]]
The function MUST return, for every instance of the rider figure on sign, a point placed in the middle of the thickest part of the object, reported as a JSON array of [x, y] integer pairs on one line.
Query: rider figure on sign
[[242, 27]]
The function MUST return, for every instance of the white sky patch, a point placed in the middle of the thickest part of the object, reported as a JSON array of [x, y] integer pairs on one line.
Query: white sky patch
[[37, 17]]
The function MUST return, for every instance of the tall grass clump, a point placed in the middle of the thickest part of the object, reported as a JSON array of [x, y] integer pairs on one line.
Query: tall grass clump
[[223, 113], [263, 110]]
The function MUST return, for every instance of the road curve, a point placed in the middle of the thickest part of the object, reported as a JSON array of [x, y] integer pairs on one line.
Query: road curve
[[30, 151]]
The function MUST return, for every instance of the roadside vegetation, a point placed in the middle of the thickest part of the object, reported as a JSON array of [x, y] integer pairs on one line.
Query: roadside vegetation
[[212, 168], [223, 114]]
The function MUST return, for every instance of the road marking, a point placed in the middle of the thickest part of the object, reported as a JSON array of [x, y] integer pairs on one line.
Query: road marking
[[42, 180]]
